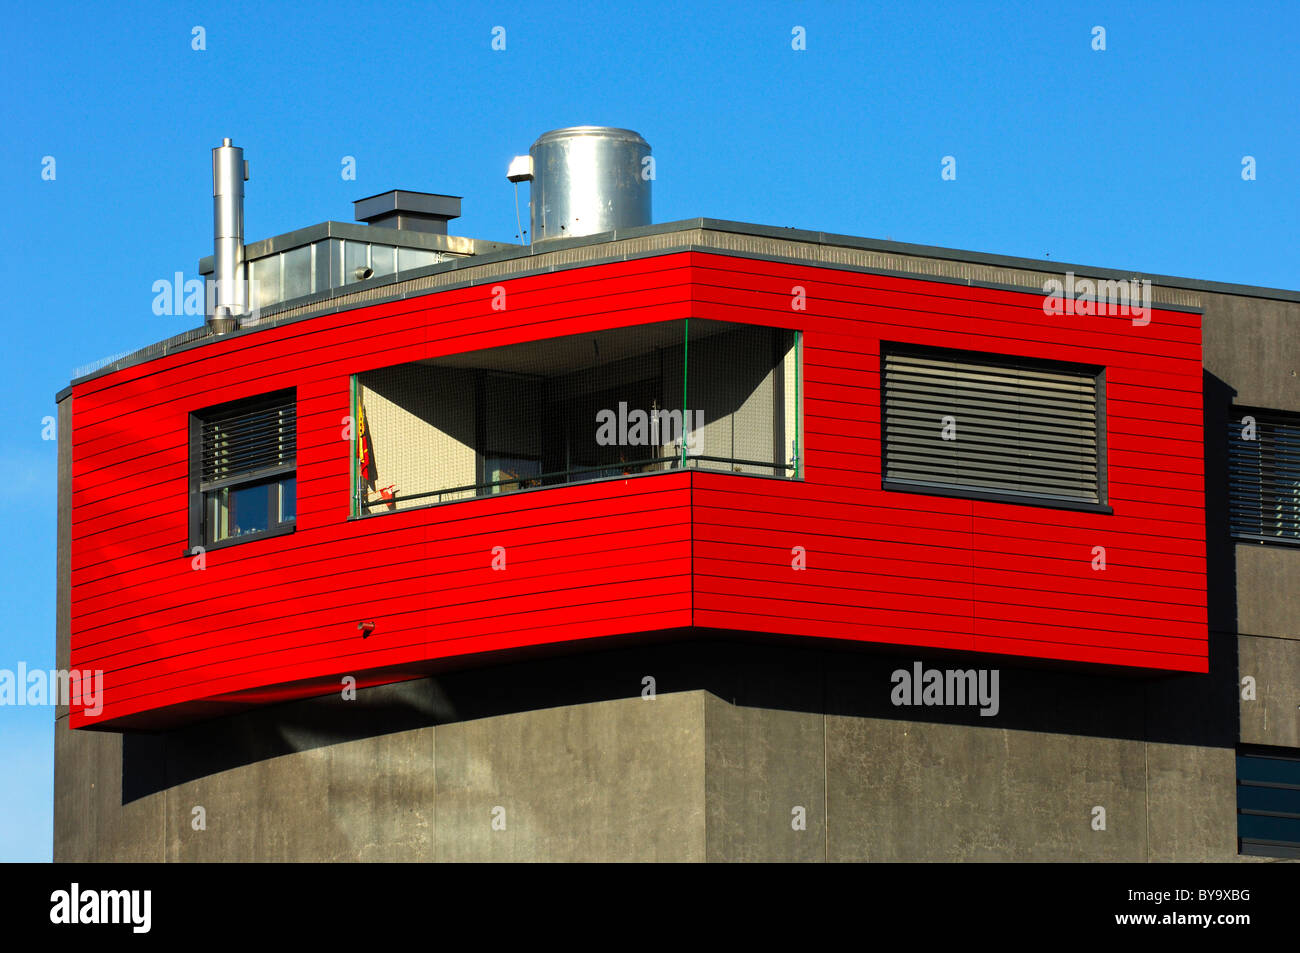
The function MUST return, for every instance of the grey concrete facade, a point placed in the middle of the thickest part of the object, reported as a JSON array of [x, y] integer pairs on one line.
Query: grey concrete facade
[[577, 765], [741, 735]]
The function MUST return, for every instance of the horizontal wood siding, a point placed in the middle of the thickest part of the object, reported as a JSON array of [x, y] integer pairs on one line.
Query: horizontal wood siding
[[650, 553], [935, 571], [585, 561]]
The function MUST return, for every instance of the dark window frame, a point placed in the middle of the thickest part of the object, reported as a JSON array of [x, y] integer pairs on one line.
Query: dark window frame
[[271, 477], [970, 492], [1282, 801], [1273, 418]]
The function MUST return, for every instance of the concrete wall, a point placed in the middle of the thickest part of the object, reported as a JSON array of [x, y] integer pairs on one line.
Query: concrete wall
[[892, 783], [714, 767], [592, 781], [1252, 353], [1254, 345]]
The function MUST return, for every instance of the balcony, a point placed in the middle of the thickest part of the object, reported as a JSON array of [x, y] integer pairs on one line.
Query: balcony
[[608, 405]]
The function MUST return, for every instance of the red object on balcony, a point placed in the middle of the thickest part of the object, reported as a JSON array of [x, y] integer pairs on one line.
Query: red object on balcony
[[388, 494]]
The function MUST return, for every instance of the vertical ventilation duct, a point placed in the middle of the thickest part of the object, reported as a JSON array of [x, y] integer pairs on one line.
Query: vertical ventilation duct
[[229, 172]]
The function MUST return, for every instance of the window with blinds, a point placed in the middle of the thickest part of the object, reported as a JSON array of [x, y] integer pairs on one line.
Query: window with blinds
[[970, 424], [1268, 803], [244, 469], [1264, 475]]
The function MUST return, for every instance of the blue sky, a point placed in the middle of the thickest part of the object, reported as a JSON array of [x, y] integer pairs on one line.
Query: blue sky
[[1129, 157]]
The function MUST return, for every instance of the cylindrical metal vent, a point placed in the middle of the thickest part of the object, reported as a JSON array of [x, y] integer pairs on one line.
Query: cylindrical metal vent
[[231, 299], [589, 179]]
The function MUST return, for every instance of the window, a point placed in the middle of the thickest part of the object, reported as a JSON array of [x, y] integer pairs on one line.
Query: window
[[963, 424], [506, 474], [1264, 475], [1268, 804], [243, 469], [606, 405]]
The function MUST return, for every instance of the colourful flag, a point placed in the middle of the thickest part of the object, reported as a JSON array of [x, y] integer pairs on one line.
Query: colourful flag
[[363, 448]]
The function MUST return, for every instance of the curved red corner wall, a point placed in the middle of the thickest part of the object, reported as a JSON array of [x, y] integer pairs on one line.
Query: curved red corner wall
[[277, 618]]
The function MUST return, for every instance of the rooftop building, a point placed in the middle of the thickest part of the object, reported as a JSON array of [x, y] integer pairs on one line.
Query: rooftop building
[[685, 541]]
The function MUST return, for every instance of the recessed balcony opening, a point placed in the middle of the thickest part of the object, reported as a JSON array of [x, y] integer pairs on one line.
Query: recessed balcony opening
[[653, 398]]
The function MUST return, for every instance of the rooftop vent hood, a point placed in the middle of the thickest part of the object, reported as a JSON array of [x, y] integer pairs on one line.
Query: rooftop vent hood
[[585, 180], [415, 211]]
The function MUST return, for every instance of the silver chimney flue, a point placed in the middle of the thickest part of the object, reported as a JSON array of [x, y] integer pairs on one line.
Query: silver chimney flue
[[229, 172]]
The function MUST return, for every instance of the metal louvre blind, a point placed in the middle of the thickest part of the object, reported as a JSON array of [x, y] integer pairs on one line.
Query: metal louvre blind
[[1264, 474], [253, 438], [1003, 425]]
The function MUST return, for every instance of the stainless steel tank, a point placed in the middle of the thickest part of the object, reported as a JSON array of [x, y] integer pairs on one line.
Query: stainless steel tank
[[589, 179]]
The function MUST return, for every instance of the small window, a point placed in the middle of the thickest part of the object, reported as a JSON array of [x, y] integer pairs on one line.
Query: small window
[[1264, 475], [507, 474], [962, 424], [243, 479], [1268, 804]]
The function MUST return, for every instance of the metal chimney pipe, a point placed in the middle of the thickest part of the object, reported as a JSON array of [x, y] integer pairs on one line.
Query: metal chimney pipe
[[229, 172]]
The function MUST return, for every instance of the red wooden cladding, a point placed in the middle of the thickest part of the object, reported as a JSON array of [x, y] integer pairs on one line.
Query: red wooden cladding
[[277, 618]]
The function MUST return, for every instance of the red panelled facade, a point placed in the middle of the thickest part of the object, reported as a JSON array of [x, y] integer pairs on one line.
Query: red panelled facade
[[276, 618]]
